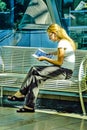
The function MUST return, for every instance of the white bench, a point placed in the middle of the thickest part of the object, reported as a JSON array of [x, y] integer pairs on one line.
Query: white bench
[[15, 62]]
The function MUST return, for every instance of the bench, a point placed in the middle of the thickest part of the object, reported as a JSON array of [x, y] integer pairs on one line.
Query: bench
[[16, 61]]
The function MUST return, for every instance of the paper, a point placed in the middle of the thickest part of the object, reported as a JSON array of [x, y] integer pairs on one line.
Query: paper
[[40, 52]]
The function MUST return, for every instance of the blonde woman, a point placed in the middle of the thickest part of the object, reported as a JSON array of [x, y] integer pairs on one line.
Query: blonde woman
[[61, 68]]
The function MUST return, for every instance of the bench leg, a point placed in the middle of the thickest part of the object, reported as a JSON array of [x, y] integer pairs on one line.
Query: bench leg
[[1, 92], [82, 104], [1, 96]]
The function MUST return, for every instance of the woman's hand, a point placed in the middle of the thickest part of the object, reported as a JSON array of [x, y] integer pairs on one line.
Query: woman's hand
[[41, 58]]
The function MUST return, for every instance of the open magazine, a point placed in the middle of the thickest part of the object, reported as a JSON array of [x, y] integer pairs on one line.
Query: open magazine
[[40, 52]]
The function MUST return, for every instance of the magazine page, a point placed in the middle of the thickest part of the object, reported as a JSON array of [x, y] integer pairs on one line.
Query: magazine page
[[40, 52]]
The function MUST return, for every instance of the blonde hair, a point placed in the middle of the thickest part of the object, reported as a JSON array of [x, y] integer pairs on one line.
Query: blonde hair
[[60, 33]]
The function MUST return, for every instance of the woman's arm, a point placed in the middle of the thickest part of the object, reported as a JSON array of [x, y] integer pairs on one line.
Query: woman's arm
[[58, 61]]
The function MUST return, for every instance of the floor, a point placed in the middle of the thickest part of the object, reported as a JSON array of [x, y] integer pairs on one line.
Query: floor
[[42, 119]]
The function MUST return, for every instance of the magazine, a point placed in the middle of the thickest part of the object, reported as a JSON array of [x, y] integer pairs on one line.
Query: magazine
[[40, 52]]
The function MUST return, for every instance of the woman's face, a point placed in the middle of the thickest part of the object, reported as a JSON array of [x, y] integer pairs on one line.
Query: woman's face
[[53, 37]]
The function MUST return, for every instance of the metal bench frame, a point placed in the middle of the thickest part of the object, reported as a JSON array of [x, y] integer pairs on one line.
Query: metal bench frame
[[16, 61]]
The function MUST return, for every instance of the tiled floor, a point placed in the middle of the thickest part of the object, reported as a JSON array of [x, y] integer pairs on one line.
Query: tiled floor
[[40, 120]]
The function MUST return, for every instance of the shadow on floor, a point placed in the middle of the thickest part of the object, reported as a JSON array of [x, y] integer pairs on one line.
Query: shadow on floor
[[54, 104]]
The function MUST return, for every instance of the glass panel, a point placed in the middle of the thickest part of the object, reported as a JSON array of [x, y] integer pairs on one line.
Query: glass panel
[[36, 15], [29, 14], [79, 18], [6, 14]]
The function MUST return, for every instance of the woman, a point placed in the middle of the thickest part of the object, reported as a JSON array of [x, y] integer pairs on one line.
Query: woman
[[61, 68]]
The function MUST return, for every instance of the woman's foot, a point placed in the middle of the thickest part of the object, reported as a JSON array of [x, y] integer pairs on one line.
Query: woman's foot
[[25, 109], [14, 98], [18, 96]]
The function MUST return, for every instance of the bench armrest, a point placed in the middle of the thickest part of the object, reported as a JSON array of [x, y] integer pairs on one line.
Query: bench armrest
[[82, 75]]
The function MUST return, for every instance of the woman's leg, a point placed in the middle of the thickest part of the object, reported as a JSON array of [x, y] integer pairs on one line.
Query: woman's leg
[[36, 75]]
